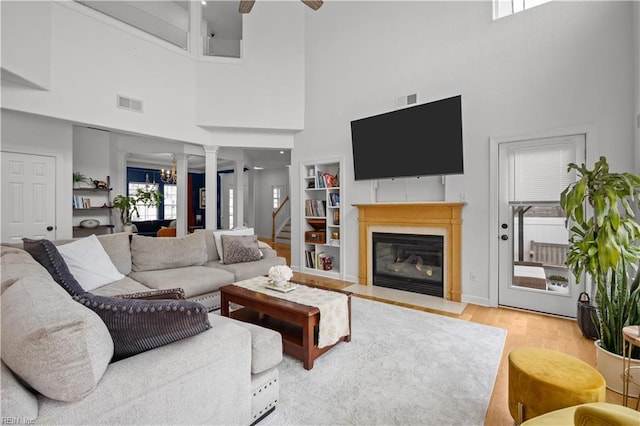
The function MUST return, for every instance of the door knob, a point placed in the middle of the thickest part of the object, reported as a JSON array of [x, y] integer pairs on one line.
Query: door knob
[[504, 237], [504, 226], [49, 228]]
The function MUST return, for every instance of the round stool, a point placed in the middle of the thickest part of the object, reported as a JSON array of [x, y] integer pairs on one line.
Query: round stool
[[542, 380]]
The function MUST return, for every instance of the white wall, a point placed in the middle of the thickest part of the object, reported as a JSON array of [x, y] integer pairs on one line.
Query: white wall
[[266, 89], [30, 134], [636, 72], [557, 65], [94, 58], [29, 22]]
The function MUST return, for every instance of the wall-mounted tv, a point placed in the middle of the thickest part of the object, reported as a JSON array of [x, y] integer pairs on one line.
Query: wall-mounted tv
[[420, 140]]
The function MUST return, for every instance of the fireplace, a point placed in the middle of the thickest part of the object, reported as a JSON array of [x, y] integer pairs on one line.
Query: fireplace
[[410, 262], [431, 218]]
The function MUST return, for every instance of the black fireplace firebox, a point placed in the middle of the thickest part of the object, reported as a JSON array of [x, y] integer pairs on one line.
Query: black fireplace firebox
[[410, 262]]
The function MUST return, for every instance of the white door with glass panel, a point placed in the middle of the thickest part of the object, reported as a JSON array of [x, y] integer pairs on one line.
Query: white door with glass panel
[[533, 238], [28, 196]]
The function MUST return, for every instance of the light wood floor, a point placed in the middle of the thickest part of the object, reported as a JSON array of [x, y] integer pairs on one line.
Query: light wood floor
[[523, 329]]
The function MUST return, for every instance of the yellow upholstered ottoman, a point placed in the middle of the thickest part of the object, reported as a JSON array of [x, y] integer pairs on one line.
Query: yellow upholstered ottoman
[[542, 380]]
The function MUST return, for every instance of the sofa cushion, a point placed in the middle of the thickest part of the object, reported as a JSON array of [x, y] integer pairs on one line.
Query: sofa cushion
[[15, 264], [46, 254], [149, 254], [195, 280], [210, 242], [118, 248], [89, 263], [217, 236], [17, 401], [123, 286], [266, 344], [135, 325], [240, 248], [55, 345], [244, 271]]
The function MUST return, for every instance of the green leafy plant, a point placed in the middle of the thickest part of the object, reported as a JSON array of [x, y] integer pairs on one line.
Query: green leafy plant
[[79, 177], [128, 205], [604, 244]]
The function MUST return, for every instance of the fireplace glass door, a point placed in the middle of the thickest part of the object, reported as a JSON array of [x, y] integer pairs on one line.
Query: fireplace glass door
[[409, 262]]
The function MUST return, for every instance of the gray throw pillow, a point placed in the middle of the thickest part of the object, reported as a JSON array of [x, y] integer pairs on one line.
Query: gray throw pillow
[[135, 325], [46, 253], [240, 248], [170, 293]]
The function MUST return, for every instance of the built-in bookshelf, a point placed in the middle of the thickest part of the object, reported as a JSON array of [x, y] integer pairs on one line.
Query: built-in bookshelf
[[92, 210], [321, 206]]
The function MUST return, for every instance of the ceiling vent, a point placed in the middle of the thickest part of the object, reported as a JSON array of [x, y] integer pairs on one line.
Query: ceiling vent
[[129, 103]]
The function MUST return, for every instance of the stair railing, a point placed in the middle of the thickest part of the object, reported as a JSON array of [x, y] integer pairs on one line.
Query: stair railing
[[273, 219]]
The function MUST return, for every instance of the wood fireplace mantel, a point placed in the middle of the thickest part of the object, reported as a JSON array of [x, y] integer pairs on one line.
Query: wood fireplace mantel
[[446, 217]]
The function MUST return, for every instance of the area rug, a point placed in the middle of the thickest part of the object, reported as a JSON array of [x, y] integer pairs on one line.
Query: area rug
[[402, 367]]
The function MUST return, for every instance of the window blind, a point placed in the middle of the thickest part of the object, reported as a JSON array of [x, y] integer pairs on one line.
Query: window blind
[[539, 173]]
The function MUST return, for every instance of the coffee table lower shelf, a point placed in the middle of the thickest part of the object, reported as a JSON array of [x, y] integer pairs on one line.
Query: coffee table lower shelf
[[297, 323]]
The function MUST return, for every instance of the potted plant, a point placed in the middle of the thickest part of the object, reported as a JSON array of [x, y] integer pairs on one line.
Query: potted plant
[[78, 178], [128, 205], [603, 243]]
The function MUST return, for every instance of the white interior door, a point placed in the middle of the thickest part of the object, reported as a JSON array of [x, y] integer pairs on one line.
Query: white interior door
[[28, 196], [533, 238]]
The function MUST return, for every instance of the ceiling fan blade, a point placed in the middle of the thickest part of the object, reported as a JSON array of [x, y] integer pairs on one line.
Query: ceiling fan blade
[[246, 6], [313, 4]]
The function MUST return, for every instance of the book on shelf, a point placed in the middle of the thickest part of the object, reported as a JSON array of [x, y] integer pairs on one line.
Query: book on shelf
[[316, 208], [81, 202], [327, 180], [334, 198], [323, 261]]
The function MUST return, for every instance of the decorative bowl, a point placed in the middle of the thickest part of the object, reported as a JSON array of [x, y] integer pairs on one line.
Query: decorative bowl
[[90, 223]]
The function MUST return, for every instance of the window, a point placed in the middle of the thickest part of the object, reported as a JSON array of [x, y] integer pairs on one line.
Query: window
[[231, 208], [502, 8], [170, 201], [277, 196], [145, 213]]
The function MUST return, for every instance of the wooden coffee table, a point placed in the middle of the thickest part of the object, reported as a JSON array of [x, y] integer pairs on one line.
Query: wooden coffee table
[[297, 323]]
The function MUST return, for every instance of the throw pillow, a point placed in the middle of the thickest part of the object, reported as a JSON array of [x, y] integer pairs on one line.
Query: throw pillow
[[89, 263], [240, 248], [134, 325], [217, 236], [46, 253], [170, 293], [52, 343], [138, 325]]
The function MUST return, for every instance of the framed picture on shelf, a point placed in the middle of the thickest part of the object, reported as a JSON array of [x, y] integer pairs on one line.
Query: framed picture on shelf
[[202, 201]]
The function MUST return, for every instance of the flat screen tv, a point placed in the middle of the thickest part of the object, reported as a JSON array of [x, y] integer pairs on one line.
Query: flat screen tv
[[421, 140]]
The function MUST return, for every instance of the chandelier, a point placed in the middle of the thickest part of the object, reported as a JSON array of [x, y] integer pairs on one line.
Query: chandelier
[[169, 176]]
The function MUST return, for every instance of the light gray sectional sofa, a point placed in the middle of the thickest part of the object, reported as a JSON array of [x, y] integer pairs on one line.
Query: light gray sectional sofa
[[56, 353]]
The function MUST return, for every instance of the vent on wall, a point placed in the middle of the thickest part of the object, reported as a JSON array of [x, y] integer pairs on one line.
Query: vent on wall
[[129, 103], [403, 101]]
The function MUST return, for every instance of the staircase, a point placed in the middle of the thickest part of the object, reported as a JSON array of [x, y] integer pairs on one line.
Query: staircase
[[284, 235]]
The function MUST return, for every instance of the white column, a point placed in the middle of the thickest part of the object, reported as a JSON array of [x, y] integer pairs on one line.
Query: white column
[[182, 187], [238, 202], [211, 186], [119, 185], [251, 210], [195, 33]]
